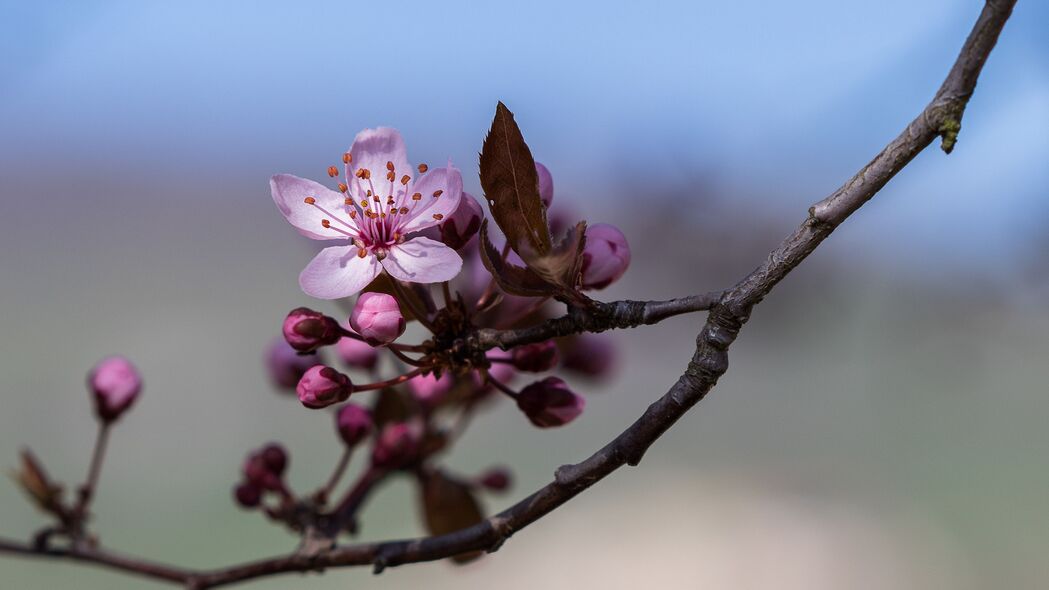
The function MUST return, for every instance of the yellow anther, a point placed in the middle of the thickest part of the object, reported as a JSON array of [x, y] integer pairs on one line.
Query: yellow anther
[[343, 188], [438, 216], [417, 196], [405, 179], [423, 168], [325, 223], [347, 158], [404, 210], [361, 253], [309, 200], [391, 175], [437, 193], [333, 171], [389, 166]]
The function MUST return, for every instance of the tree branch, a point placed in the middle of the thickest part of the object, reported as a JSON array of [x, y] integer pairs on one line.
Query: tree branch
[[728, 312]]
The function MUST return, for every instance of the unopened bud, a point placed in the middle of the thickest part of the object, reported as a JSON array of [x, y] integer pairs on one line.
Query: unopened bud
[[546, 185], [286, 366], [307, 330], [115, 385], [549, 403], [354, 424], [323, 386], [605, 257], [593, 355], [496, 479], [398, 444], [247, 494], [357, 354], [536, 357], [429, 389], [463, 223], [377, 318]]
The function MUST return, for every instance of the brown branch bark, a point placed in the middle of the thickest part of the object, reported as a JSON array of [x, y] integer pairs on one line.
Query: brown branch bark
[[728, 312]]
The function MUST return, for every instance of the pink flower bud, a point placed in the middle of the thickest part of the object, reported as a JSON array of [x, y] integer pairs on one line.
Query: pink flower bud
[[247, 494], [115, 384], [546, 185], [605, 257], [550, 403], [323, 386], [307, 330], [593, 355], [377, 318], [264, 468], [354, 424], [430, 390], [497, 479], [536, 357], [357, 354], [463, 223], [398, 445], [286, 366]]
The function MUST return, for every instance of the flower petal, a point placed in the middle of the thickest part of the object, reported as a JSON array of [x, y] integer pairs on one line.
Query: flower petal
[[422, 260], [372, 149], [338, 272], [289, 193], [449, 181]]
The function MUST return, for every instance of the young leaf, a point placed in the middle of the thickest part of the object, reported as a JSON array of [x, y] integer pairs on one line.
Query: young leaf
[[511, 278], [564, 265], [511, 186], [448, 506]]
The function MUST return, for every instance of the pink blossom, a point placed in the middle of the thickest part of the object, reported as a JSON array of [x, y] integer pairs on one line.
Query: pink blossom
[[377, 318], [115, 384], [380, 203]]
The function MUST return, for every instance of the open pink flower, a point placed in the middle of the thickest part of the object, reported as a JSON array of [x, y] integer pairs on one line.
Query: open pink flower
[[381, 202]]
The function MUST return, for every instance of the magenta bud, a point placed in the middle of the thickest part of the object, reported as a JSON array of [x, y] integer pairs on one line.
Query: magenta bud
[[497, 479], [377, 318], [115, 384], [463, 223], [323, 386], [286, 366], [546, 185], [605, 257], [247, 494], [429, 389], [258, 473], [536, 357], [354, 424], [398, 444], [593, 355], [549, 403], [357, 354], [307, 330], [274, 458]]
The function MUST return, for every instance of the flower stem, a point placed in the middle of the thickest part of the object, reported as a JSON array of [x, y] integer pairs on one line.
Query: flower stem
[[389, 382], [405, 358], [340, 469], [88, 489], [501, 386]]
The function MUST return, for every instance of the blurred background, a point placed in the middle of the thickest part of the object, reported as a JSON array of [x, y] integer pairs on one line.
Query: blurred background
[[883, 424]]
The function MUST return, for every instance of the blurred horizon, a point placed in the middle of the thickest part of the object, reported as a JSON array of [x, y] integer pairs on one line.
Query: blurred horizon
[[883, 420]]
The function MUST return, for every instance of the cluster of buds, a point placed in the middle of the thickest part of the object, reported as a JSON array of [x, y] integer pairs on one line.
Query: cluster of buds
[[263, 473], [401, 234]]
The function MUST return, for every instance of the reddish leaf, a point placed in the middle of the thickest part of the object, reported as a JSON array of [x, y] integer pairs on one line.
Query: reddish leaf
[[564, 265], [449, 505], [512, 278], [511, 187]]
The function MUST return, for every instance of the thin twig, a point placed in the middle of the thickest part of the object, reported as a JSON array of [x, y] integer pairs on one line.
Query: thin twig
[[728, 313]]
